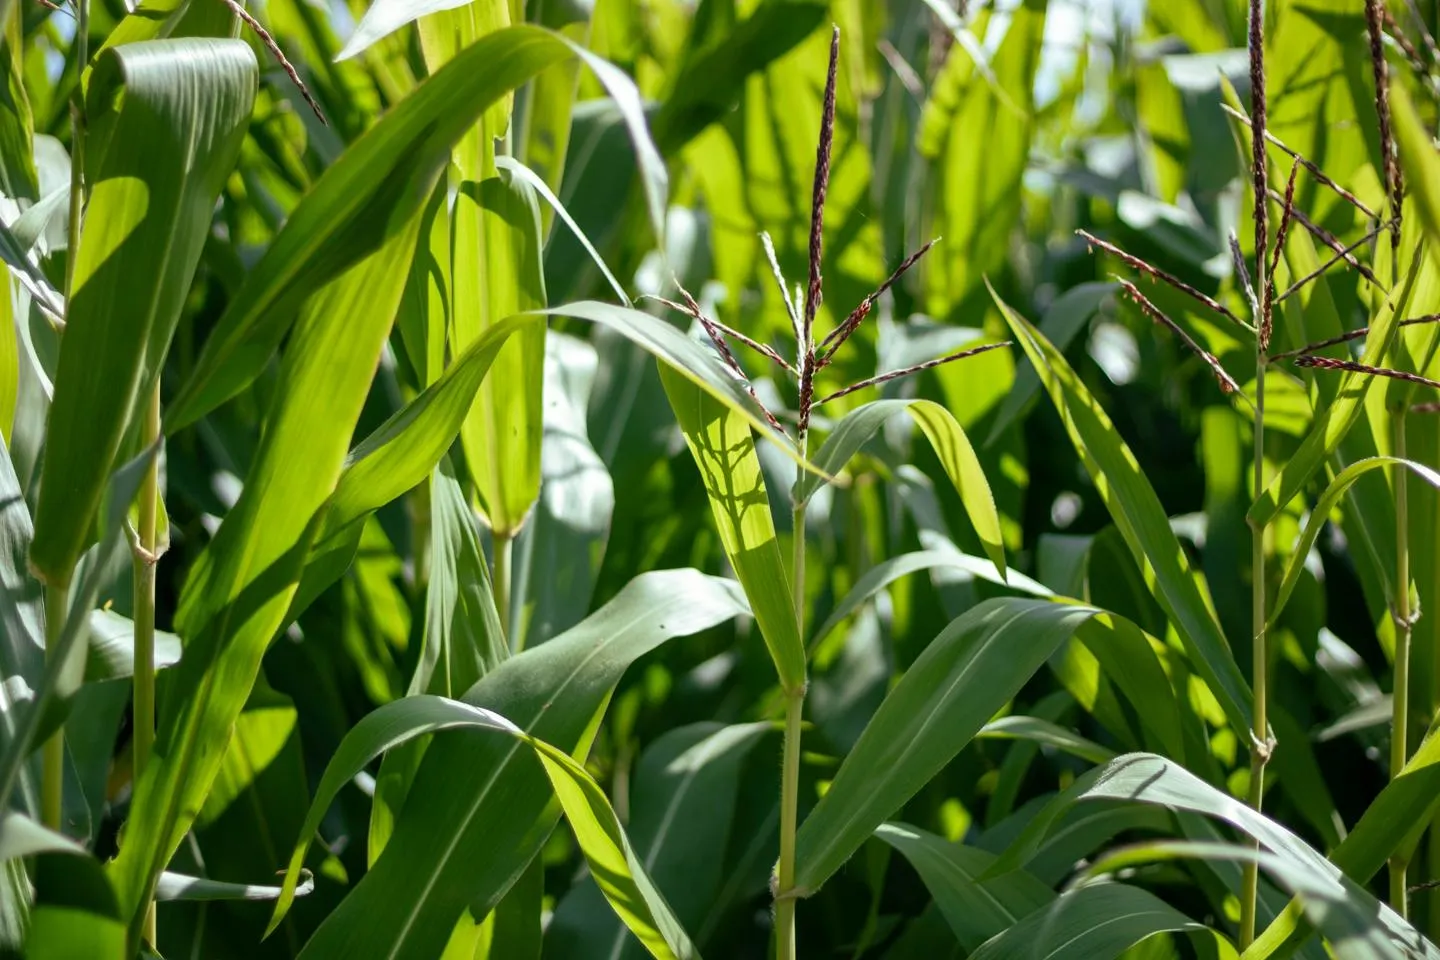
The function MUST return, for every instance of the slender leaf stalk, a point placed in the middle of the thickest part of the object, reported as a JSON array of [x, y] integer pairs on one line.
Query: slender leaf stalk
[[1399, 726], [504, 546], [1259, 747], [52, 774], [789, 811], [790, 763], [144, 559]]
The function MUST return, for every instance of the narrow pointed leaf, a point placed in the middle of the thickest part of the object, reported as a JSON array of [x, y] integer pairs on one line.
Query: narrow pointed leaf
[[1320, 514], [963, 677], [976, 909], [883, 574], [240, 589], [719, 440], [458, 843], [362, 200], [164, 155], [683, 802], [1140, 519], [1333, 422], [177, 886], [1345, 912], [951, 445]]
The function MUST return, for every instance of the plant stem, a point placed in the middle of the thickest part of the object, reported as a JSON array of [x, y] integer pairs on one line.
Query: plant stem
[[144, 560], [503, 549], [789, 812], [1399, 725], [52, 774], [1260, 726], [790, 763]]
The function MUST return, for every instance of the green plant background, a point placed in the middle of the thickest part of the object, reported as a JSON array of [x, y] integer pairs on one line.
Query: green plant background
[[420, 462]]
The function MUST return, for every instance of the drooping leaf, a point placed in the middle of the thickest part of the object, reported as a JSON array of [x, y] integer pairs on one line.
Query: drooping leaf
[[1329, 500], [112, 647], [1140, 519], [951, 445], [521, 172], [976, 909], [1017, 727], [373, 191], [684, 794], [445, 854], [1099, 921], [886, 572], [1391, 824], [240, 589], [599, 832], [1345, 911], [160, 154], [719, 440], [961, 679]]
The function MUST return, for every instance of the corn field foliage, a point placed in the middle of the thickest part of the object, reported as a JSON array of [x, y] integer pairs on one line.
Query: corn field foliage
[[742, 478]]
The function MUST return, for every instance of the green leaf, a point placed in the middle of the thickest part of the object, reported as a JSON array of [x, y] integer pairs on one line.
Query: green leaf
[[496, 273], [1140, 519], [402, 451], [111, 653], [719, 440], [612, 860], [1324, 507], [1063, 321], [177, 886], [462, 640], [558, 558], [951, 445], [1420, 162], [961, 679], [1099, 921], [64, 664], [712, 79], [683, 801], [22, 626], [1357, 926], [1391, 824], [608, 851], [1333, 422], [886, 572], [241, 587], [376, 187], [373, 191], [1017, 727], [523, 173], [978, 135], [75, 913], [21, 836], [976, 909], [161, 156], [476, 813]]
